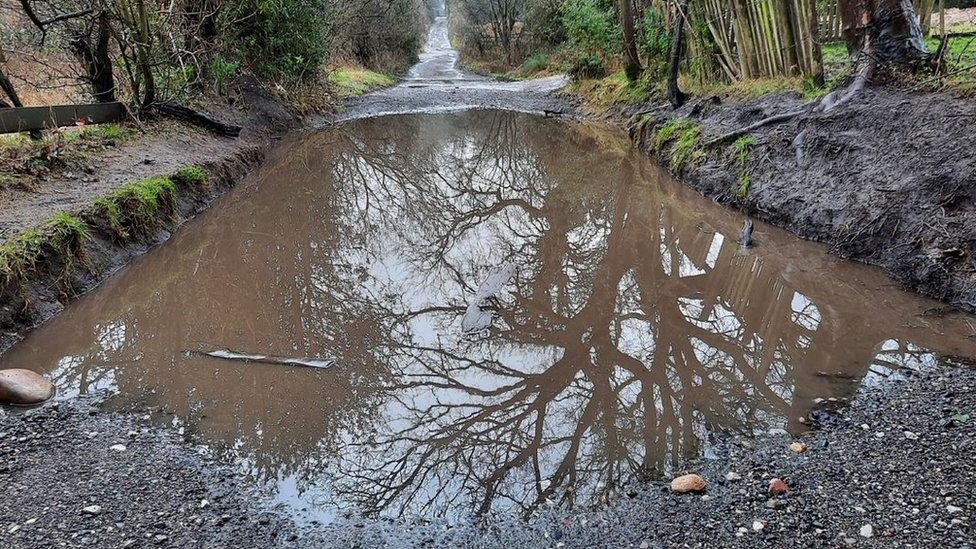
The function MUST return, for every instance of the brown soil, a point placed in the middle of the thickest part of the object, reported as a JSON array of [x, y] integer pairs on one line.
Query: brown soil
[[161, 148], [888, 180]]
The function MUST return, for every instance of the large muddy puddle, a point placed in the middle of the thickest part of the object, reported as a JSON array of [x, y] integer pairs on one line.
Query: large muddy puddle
[[506, 311]]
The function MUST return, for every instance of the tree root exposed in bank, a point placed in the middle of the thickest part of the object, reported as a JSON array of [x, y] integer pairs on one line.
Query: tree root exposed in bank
[[832, 101]]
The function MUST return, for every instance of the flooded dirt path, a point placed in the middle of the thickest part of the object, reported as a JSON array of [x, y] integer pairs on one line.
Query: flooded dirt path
[[483, 311], [438, 312], [436, 84]]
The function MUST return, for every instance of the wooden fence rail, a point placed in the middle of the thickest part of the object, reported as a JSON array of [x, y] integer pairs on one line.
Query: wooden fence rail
[[22, 119]]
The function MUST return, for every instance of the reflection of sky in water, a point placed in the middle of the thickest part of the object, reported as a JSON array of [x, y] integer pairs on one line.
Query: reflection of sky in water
[[632, 330]]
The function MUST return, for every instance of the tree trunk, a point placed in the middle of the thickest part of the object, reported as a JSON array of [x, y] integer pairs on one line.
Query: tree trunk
[[97, 62], [784, 28], [887, 31], [632, 66], [816, 68], [746, 42], [8, 89], [675, 95]]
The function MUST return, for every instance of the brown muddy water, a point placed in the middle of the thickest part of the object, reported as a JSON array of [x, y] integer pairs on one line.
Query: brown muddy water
[[627, 330]]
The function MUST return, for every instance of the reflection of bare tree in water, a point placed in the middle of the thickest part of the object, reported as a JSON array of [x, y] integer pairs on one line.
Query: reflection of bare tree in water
[[631, 332], [630, 335]]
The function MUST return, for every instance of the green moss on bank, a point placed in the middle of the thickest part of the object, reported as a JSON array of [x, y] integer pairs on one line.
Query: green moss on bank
[[684, 138], [137, 208]]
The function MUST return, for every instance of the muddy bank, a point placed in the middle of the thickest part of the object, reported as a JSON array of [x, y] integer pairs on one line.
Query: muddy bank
[[889, 180]]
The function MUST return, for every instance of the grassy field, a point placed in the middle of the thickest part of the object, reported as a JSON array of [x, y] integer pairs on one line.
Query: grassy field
[[353, 82]]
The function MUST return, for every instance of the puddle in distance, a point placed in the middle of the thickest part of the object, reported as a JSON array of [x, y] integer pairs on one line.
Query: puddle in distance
[[631, 329]]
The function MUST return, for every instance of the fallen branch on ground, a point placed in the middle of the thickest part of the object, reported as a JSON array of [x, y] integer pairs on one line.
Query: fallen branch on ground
[[196, 118]]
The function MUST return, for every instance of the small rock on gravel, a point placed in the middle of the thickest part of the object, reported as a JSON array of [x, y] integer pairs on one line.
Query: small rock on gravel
[[778, 487], [798, 447], [688, 483]]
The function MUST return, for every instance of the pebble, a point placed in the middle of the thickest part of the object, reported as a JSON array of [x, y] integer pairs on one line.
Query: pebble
[[688, 483], [758, 525], [118, 447], [24, 387], [867, 531], [910, 435], [953, 509], [777, 486], [732, 476], [798, 447], [92, 510], [774, 503]]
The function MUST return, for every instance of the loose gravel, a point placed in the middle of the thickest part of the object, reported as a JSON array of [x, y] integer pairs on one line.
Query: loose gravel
[[895, 468]]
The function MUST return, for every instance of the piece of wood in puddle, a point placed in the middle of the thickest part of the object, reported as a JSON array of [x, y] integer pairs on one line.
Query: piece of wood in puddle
[[225, 354]]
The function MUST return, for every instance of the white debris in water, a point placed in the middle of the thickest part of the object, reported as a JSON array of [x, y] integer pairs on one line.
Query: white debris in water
[[476, 318], [309, 362]]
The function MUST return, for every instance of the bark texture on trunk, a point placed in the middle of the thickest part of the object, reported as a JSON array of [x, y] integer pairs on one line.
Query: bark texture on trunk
[[97, 62], [888, 31], [632, 65], [675, 95]]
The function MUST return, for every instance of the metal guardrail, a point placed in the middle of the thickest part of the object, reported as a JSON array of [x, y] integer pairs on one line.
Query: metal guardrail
[[22, 119]]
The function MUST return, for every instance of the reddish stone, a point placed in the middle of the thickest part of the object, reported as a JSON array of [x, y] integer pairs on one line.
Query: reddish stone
[[778, 487]]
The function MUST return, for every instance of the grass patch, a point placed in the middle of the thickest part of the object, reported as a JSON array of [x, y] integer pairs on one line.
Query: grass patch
[[19, 256], [190, 176], [59, 241], [686, 136], [109, 132], [69, 231], [743, 147], [670, 129], [745, 183], [353, 82], [614, 89], [143, 205]]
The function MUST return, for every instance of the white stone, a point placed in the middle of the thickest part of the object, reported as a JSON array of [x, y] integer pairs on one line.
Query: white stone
[[910, 435], [867, 531], [118, 447], [732, 475], [757, 525], [92, 509], [953, 509]]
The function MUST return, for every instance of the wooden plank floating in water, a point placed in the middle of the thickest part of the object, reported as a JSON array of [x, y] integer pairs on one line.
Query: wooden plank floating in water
[[22, 119], [265, 359]]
